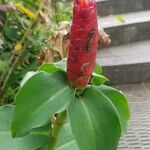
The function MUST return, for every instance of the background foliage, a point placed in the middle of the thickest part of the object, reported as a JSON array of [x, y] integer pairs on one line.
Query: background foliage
[[24, 32], [49, 104]]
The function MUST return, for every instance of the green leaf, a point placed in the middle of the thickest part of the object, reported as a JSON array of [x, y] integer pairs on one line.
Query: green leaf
[[120, 18], [44, 147], [27, 77], [36, 139], [98, 69], [49, 68], [41, 96], [98, 79], [53, 67], [10, 33], [66, 140], [3, 64], [62, 64], [120, 102], [94, 121]]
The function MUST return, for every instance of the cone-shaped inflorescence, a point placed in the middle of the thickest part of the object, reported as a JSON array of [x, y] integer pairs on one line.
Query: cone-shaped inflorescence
[[83, 43]]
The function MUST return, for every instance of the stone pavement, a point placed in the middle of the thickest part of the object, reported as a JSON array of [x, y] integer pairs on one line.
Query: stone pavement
[[138, 135]]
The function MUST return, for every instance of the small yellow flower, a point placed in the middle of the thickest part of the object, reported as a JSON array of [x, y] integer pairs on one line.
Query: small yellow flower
[[26, 11], [18, 48]]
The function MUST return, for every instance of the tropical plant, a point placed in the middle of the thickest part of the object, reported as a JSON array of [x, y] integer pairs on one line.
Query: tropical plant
[[57, 108], [51, 114]]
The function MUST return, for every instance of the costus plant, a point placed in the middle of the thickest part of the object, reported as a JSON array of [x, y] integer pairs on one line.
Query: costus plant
[[84, 42], [67, 107]]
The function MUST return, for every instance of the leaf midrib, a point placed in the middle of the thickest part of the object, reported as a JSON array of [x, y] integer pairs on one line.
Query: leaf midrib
[[49, 100], [62, 146], [41, 106], [88, 117]]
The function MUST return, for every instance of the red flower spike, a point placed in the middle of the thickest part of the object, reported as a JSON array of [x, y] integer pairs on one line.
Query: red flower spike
[[84, 3], [83, 43]]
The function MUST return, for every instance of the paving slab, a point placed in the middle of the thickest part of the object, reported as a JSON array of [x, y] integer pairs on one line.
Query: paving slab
[[138, 134]]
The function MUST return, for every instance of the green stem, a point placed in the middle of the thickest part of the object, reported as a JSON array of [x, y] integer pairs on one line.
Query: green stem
[[57, 125], [7, 80], [54, 2]]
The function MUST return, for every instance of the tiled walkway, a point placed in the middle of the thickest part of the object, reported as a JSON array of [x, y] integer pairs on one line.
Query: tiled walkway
[[138, 135]]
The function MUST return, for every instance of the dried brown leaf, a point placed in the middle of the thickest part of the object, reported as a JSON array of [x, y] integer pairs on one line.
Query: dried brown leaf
[[6, 7], [104, 38], [45, 56], [60, 40]]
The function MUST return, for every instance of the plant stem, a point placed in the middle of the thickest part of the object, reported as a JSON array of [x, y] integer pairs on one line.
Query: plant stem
[[54, 2], [7, 79], [57, 125]]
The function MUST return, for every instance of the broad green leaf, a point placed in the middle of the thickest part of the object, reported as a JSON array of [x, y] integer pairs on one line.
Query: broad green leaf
[[120, 102], [27, 77], [38, 137], [66, 140], [94, 121], [98, 69], [41, 96], [98, 79], [44, 147], [53, 67], [62, 64], [49, 68]]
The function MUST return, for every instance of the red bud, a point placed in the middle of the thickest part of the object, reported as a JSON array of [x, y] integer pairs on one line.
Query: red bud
[[84, 3]]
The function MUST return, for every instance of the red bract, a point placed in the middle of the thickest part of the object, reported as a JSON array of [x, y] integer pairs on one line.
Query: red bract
[[83, 43], [84, 3]]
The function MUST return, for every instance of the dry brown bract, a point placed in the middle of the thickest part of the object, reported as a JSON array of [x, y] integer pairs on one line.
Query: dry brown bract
[[60, 42]]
